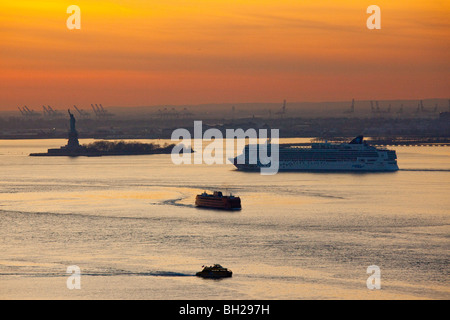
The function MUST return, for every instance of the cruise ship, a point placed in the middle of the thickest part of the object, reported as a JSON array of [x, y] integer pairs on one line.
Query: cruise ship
[[356, 155]]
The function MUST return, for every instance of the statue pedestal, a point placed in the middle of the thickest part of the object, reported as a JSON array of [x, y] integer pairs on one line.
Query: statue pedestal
[[73, 140]]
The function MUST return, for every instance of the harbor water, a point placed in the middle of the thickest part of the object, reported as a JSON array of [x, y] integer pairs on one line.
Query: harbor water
[[130, 225]]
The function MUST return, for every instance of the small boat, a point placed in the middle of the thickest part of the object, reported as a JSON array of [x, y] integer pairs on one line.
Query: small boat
[[218, 201], [215, 271]]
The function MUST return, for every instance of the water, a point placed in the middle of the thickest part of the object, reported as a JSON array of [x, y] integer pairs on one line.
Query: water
[[130, 225]]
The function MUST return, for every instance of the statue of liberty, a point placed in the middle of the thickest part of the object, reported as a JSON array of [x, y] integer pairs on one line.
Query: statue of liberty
[[72, 122], [73, 134]]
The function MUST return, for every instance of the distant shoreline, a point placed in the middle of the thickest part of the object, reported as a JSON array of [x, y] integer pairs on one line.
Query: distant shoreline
[[397, 141]]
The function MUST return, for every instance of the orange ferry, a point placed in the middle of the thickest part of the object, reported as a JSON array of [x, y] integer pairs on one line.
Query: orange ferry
[[218, 201]]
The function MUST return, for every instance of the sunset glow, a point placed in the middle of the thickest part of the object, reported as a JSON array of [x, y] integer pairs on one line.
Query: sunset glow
[[131, 53]]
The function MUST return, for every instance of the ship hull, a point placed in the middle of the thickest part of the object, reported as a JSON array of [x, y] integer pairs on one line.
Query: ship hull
[[214, 274], [324, 166]]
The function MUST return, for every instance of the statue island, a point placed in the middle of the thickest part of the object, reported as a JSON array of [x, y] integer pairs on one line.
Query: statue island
[[105, 148]]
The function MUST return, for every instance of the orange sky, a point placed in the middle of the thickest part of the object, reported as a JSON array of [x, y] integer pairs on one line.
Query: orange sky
[[147, 52]]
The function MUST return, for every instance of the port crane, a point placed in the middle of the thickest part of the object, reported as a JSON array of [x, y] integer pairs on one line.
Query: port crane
[[101, 112], [49, 111], [377, 109], [282, 112], [26, 112], [82, 113], [422, 109], [352, 107]]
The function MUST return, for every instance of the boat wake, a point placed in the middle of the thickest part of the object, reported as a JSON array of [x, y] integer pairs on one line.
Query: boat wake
[[100, 274], [176, 203]]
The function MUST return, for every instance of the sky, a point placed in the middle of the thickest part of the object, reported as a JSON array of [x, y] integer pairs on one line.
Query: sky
[[185, 52]]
